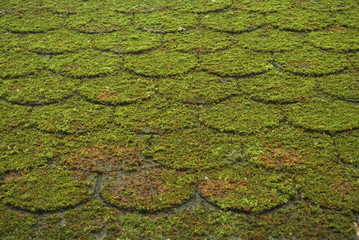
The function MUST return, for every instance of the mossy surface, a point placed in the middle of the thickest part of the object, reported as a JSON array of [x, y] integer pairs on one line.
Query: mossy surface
[[10, 42], [200, 6], [235, 62], [160, 63], [324, 115], [311, 61], [86, 64], [348, 18], [12, 115], [148, 190], [240, 115], [347, 145], [38, 89], [138, 6], [263, 6], [326, 5], [198, 87], [44, 189]]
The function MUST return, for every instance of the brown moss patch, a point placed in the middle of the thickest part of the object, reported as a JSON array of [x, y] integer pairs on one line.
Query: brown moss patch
[[279, 158]]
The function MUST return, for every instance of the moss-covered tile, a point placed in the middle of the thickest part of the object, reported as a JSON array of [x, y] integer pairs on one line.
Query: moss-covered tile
[[165, 21], [196, 149], [98, 21], [44, 189], [354, 60], [12, 115], [311, 61], [126, 41], [233, 21], [347, 145], [71, 116], [20, 64], [246, 188], [336, 39], [200, 6], [155, 115], [86, 64], [263, 6], [124, 88], [325, 5], [32, 21], [148, 190], [270, 40], [297, 19], [11, 42], [198, 87], [38, 89], [332, 186], [241, 115], [160, 63], [344, 86], [277, 87], [348, 18], [235, 62], [135, 6], [324, 115]]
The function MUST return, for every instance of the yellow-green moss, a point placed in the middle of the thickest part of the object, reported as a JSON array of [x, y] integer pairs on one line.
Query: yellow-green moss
[[12, 115], [200, 6], [348, 18], [347, 145], [134, 6], [326, 5], [263, 6]]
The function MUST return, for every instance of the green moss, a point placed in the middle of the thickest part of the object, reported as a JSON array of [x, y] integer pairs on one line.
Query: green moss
[[233, 21], [12, 115], [201, 6], [190, 41], [124, 88], [160, 63], [44, 189], [324, 115], [198, 87], [270, 40], [197, 149], [297, 19], [155, 115], [343, 86], [86, 64], [240, 115], [98, 21], [246, 188], [20, 64], [348, 18], [336, 39], [311, 61], [347, 145], [148, 190], [164, 22], [38, 89], [235, 62], [277, 87], [326, 5], [263, 6], [31, 21], [135, 6], [11, 42], [126, 41], [72, 116], [331, 186], [354, 60]]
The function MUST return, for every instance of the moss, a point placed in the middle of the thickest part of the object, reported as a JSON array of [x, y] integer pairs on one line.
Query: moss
[[31, 21], [12, 115], [126, 41], [277, 87], [160, 63], [270, 40], [148, 190], [189, 41], [348, 18], [198, 87], [155, 115], [344, 86], [336, 39], [354, 61], [240, 115], [44, 189], [311, 61], [326, 5], [246, 188], [332, 186], [11, 42], [297, 19], [124, 88], [135, 6], [196, 149], [164, 22], [20, 64], [72, 116], [233, 21], [347, 145], [235, 62], [86, 64], [324, 115], [38, 89], [98, 21], [263, 6], [201, 6]]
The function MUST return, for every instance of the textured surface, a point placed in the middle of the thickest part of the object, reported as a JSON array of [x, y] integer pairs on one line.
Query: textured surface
[[179, 119]]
